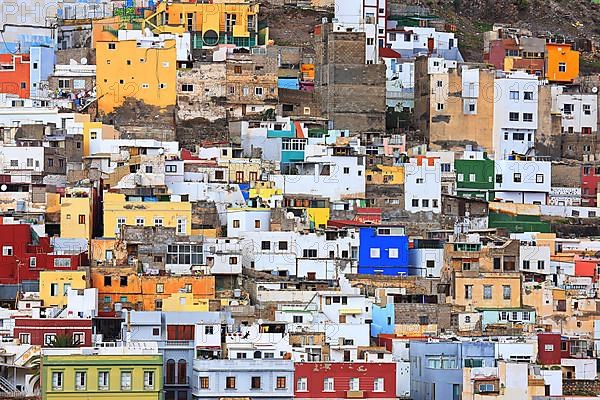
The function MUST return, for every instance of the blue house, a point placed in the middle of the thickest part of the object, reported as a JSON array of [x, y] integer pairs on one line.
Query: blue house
[[383, 250], [383, 319], [437, 368]]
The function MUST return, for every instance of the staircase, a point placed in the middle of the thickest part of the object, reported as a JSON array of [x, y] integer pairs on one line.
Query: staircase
[[7, 387]]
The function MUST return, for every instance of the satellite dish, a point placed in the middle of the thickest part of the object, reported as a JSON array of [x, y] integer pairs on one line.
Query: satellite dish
[[260, 321], [84, 61], [594, 89], [3, 188]]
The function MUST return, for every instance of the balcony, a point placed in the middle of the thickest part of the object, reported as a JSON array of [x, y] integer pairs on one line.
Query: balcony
[[179, 381]]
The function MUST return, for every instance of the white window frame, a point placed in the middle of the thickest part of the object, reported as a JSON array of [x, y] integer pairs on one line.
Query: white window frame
[[328, 385], [354, 384], [149, 380], [7, 251], [79, 386], [58, 380], [25, 338], [393, 253], [379, 385], [302, 385], [103, 384], [375, 252], [158, 221], [126, 384]]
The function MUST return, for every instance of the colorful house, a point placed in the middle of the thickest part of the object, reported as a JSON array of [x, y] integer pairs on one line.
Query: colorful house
[[385, 175], [383, 250], [143, 70], [120, 210], [475, 178], [44, 331], [76, 213], [15, 74], [54, 286], [222, 22], [147, 292], [102, 373], [25, 254], [342, 380], [562, 63]]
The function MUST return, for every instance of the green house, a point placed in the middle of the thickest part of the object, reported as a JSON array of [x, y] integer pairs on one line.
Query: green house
[[475, 178]]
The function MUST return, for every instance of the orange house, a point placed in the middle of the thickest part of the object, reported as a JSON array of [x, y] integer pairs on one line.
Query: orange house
[[145, 292], [15, 74], [562, 63]]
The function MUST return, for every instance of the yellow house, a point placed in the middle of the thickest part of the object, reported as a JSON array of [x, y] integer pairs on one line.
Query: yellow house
[[221, 22], [385, 175], [146, 72], [184, 302], [76, 213], [55, 284], [487, 290], [106, 373], [119, 211]]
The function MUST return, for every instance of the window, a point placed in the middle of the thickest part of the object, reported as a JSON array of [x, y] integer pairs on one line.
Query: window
[[162, 85], [209, 330], [283, 245], [587, 110], [148, 380], [160, 288], [378, 385], [123, 281], [14, 163], [62, 263], [425, 203], [440, 106], [158, 221], [539, 178], [513, 116], [112, 46], [525, 264], [420, 180], [517, 177], [139, 221], [540, 264], [49, 338], [7, 250], [230, 382], [468, 291], [301, 385], [415, 202], [258, 91], [506, 292], [204, 382], [309, 253], [328, 385], [568, 108], [487, 292], [255, 382], [293, 144], [187, 88], [393, 253], [125, 380], [25, 338], [548, 347], [120, 222], [103, 380], [498, 178], [181, 226], [57, 381], [562, 67], [81, 219], [171, 168], [514, 95], [354, 384], [54, 289], [281, 382], [466, 265], [440, 83], [64, 83], [528, 95], [155, 331], [257, 223], [265, 245], [497, 261], [473, 363], [527, 117], [80, 380], [298, 319], [461, 177], [375, 252], [236, 223]]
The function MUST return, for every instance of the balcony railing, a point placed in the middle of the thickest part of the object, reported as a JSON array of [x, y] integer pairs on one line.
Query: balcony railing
[[178, 381]]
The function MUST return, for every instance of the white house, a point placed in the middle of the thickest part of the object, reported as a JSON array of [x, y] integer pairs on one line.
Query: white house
[[368, 16], [523, 181], [423, 185], [247, 220], [579, 111], [515, 113]]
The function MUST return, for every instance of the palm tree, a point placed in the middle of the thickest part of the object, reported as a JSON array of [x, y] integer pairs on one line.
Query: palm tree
[[64, 340], [34, 364]]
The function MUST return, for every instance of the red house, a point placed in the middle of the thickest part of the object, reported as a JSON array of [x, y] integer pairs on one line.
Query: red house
[[341, 380], [24, 255], [549, 352], [15, 74], [43, 331], [590, 177], [587, 267]]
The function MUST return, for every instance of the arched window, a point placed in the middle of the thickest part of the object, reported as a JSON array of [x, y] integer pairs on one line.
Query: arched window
[[170, 378], [182, 371], [257, 354]]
